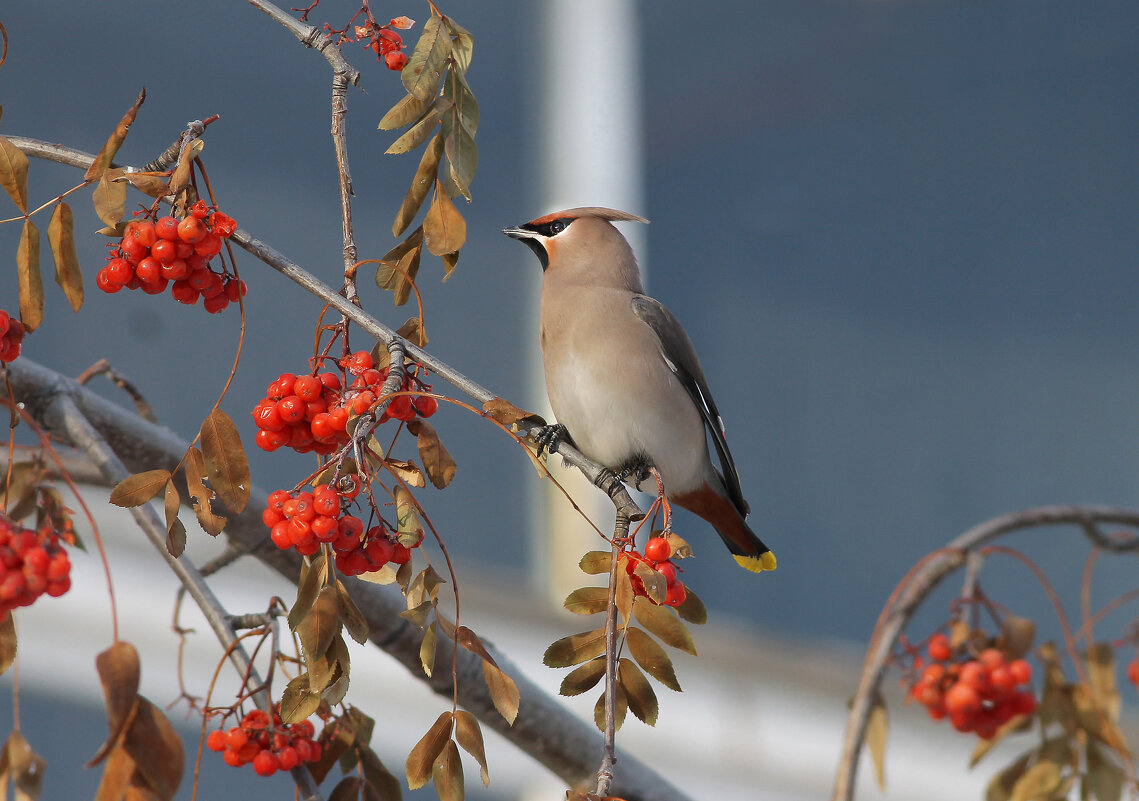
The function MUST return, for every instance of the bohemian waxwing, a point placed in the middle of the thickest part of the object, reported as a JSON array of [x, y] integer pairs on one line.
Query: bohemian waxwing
[[623, 377]]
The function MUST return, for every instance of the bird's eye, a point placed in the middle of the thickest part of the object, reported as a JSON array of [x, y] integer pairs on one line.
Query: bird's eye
[[557, 226]]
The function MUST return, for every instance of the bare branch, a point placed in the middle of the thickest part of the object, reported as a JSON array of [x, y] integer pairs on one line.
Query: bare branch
[[310, 37]]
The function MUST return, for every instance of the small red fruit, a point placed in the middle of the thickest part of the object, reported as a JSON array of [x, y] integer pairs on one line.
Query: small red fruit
[[658, 549], [395, 60]]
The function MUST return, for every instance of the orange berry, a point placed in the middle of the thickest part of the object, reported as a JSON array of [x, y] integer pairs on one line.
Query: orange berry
[[1021, 671], [938, 647]]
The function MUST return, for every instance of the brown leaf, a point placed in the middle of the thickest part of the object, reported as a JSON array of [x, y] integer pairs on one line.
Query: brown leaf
[[1017, 634], [692, 609], [298, 702], [663, 622], [462, 44], [351, 616], [22, 489], [407, 519], [447, 773], [444, 229], [425, 66], [421, 184], [201, 496], [386, 786], [110, 198], [413, 332], [398, 265], [596, 562], [469, 736], [655, 584], [107, 154], [503, 691], [419, 133], [117, 774], [225, 460], [1000, 786], [31, 282], [148, 183], [583, 678], [621, 706], [175, 531], [8, 642], [14, 173], [587, 600], [427, 750], [651, 657], [877, 728], [639, 693], [406, 111], [23, 767], [1037, 782], [180, 178], [505, 412], [408, 472], [138, 489], [321, 624], [437, 460], [427, 650], [156, 750], [450, 260], [1100, 661], [61, 237], [418, 614], [575, 649], [424, 587], [625, 597], [1104, 778], [308, 585], [119, 674]]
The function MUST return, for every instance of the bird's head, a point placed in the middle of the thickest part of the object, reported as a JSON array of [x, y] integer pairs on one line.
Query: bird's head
[[582, 238]]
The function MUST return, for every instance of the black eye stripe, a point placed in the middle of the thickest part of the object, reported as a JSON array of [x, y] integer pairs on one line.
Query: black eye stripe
[[552, 228]]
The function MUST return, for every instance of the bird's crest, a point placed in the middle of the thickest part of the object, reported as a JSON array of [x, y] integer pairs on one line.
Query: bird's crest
[[589, 211]]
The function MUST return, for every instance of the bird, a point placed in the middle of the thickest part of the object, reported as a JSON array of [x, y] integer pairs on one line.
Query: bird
[[623, 378]]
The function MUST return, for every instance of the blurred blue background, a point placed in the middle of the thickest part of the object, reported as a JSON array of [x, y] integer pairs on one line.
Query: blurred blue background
[[901, 234]]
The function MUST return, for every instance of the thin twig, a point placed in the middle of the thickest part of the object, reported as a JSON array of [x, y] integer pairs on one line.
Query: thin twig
[[609, 756]]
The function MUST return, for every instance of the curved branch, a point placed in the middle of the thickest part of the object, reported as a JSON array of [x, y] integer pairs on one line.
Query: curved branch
[[310, 37], [917, 588], [544, 729]]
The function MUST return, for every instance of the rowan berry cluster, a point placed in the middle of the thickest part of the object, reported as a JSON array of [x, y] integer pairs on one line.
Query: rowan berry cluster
[[309, 413], [306, 520], [154, 254], [269, 748], [385, 42], [978, 694], [31, 563], [11, 337], [657, 557]]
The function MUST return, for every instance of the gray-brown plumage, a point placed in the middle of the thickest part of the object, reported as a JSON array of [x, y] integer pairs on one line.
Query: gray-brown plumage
[[623, 377]]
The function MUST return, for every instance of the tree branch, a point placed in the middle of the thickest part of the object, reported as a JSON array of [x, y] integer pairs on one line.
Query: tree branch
[[924, 580]]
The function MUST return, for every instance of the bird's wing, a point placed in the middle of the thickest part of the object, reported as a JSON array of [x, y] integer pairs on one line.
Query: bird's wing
[[680, 356]]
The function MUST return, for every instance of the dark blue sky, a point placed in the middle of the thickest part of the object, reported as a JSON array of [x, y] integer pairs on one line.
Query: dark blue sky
[[902, 236]]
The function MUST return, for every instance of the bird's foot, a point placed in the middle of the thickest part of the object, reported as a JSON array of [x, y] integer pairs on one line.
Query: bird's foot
[[639, 470], [550, 437]]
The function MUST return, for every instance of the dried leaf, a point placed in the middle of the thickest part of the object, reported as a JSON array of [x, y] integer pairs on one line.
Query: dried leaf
[[308, 586], [427, 650], [175, 531], [447, 773], [469, 736], [406, 256], [583, 678], [575, 649], [651, 657], [31, 282], [225, 460], [506, 413], [877, 729], [119, 674], [1104, 778], [408, 523], [8, 642], [503, 691], [450, 260], [692, 609], [1017, 634], [625, 597], [588, 600], [663, 622], [61, 237], [408, 472], [110, 198], [180, 178], [156, 750], [107, 154], [444, 229], [351, 616], [427, 750], [22, 489], [1100, 660], [384, 576], [406, 111], [421, 183], [621, 706], [437, 460], [419, 614], [386, 785], [1037, 782], [23, 767], [639, 693], [138, 489], [419, 133], [424, 587], [425, 66], [117, 774], [413, 332], [1000, 786], [321, 624], [462, 44], [201, 496], [596, 562], [148, 183], [14, 173], [298, 702], [335, 692], [655, 584]]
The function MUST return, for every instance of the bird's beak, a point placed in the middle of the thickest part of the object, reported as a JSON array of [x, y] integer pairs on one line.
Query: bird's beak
[[518, 233], [532, 241]]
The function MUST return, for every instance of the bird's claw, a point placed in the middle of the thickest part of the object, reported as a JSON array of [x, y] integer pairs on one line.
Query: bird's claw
[[640, 470], [550, 437]]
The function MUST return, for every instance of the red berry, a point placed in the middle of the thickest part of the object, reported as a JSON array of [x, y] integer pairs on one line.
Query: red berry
[[216, 741], [166, 228], [192, 230], [132, 249], [120, 271], [325, 500], [676, 595], [265, 763], [360, 361], [164, 250], [271, 440], [291, 409], [400, 408], [267, 416], [962, 699], [425, 405], [395, 60], [215, 304], [209, 245], [307, 387], [1133, 672], [938, 648], [184, 293], [176, 270], [143, 232], [104, 281], [288, 758], [658, 549], [976, 675], [1021, 671], [233, 759]]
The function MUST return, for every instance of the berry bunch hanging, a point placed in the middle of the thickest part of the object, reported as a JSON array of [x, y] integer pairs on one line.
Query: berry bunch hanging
[[31, 563], [268, 748], [12, 333], [657, 557], [154, 254]]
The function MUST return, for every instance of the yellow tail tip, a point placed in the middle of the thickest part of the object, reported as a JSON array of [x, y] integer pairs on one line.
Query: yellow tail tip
[[756, 564]]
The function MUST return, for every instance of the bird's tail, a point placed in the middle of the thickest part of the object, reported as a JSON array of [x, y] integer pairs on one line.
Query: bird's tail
[[748, 549]]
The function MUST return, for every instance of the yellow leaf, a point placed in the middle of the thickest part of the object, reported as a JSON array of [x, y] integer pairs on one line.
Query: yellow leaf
[[877, 728]]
